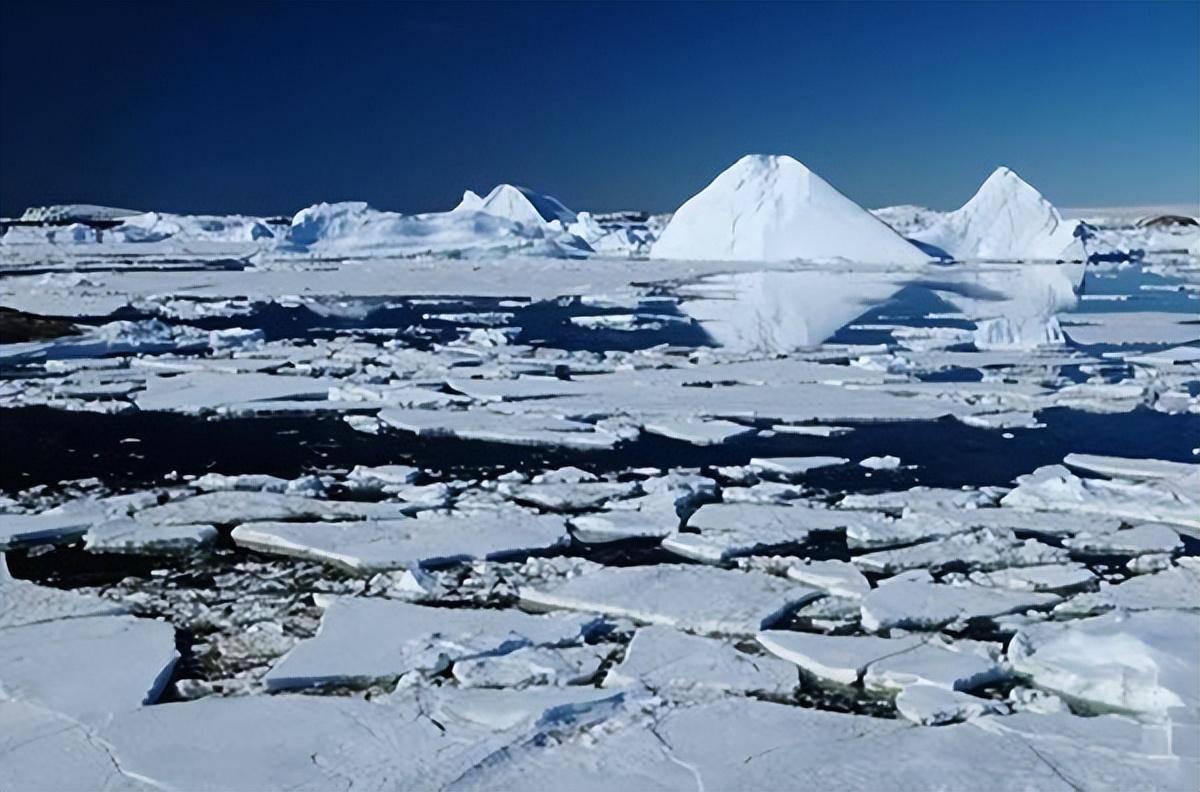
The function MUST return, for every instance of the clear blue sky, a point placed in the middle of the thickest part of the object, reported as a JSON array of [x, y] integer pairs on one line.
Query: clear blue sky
[[266, 108]]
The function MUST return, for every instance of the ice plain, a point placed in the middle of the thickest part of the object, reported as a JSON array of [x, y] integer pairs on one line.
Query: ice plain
[[517, 496]]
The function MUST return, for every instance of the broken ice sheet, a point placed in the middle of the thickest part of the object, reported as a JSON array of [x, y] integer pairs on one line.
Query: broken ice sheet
[[670, 662], [375, 545], [537, 665], [692, 598], [918, 605], [363, 640]]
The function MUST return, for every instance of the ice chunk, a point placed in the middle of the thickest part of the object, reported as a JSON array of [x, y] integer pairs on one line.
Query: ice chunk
[[205, 391], [364, 640], [917, 605], [666, 660], [772, 208], [1132, 327], [583, 496], [1137, 662], [932, 705], [50, 526], [881, 462], [531, 666], [795, 467], [692, 598], [374, 545]]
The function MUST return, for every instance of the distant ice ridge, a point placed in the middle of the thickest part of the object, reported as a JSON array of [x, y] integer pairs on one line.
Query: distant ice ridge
[[131, 227], [773, 208], [1006, 220]]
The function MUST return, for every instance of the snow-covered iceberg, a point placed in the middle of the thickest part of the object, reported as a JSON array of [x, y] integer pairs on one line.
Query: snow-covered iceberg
[[1006, 220], [773, 208]]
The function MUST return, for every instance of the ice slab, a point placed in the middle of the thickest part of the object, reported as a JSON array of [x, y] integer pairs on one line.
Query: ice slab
[[840, 578], [1123, 467], [1054, 488], [374, 545], [1135, 541], [795, 467], [1057, 577], [232, 507], [692, 598], [727, 530], [932, 663], [670, 662], [41, 749], [985, 549], [51, 526], [701, 433], [130, 536], [1177, 587], [1133, 327], [89, 669], [364, 640], [206, 391], [500, 428], [614, 526], [837, 658], [290, 742], [24, 603], [918, 605]]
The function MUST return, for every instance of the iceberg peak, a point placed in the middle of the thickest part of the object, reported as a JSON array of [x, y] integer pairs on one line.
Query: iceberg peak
[[772, 207]]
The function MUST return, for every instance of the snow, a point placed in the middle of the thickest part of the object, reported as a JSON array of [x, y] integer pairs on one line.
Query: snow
[[1007, 219], [773, 208], [694, 599], [363, 640], [932, 705]]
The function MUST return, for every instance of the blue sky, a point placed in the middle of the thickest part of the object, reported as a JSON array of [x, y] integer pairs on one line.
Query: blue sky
[[266, 107]]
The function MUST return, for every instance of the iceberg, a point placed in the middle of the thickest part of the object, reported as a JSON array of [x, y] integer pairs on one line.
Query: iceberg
[[773, 208], [1006, 220]]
